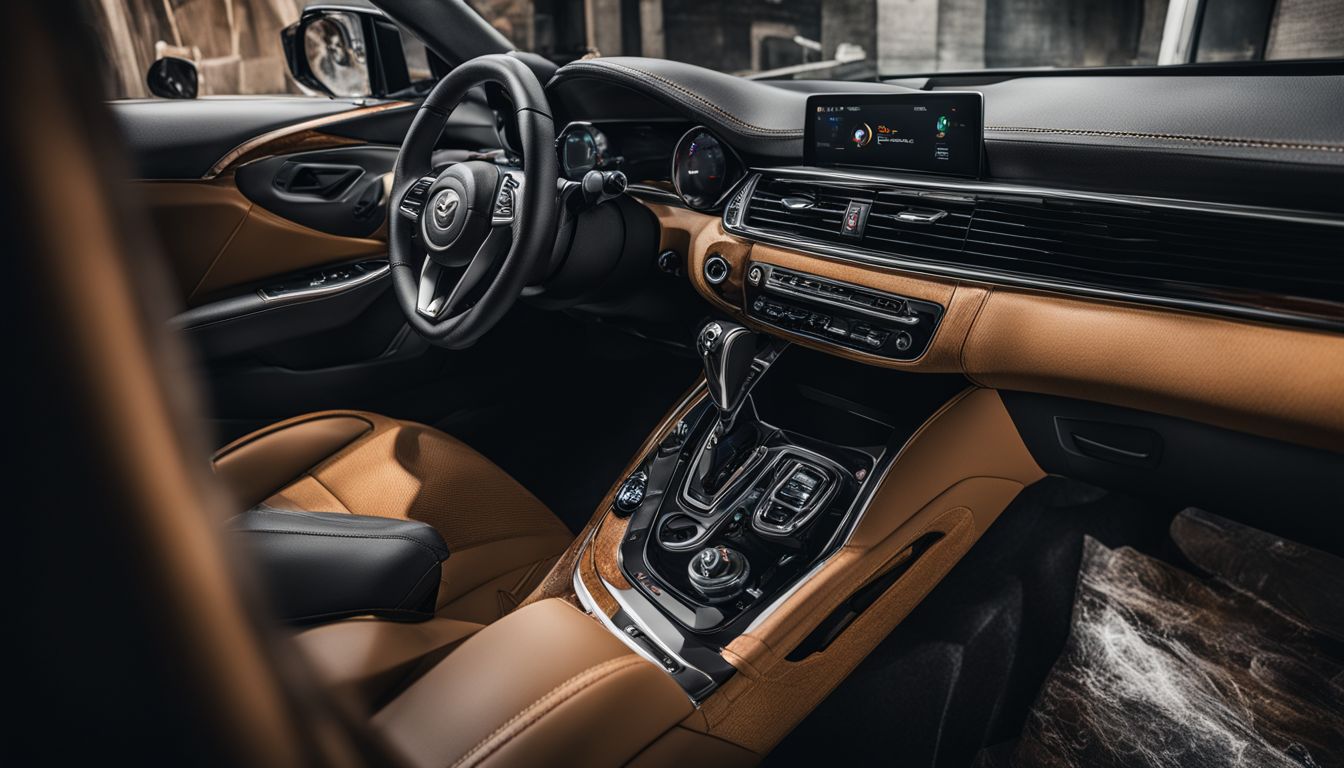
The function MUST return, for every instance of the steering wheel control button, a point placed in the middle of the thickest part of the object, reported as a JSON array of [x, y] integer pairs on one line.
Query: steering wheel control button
[[413, 202], [856, 217], [505, 200], [719, 573], [717, 269], [631, 493]]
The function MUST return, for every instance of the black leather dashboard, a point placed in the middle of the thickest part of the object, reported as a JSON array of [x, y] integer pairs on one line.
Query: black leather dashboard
[[1251, 139]]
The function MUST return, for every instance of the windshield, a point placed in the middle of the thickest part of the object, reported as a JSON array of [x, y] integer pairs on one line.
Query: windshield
[[864, 39]]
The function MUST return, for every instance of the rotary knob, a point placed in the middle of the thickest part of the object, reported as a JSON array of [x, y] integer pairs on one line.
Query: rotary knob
[[719, 573]]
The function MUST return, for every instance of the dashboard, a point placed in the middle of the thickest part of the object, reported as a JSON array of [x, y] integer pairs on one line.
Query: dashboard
[[1157, 241], [933, 181]]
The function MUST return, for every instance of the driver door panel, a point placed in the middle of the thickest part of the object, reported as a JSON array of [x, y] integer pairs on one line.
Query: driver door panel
[[276, 238]]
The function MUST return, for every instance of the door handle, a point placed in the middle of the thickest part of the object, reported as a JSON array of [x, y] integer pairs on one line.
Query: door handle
[[325, 180], [1112, 443]]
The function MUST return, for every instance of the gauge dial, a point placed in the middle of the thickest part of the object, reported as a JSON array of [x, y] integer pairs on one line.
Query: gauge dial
[[582, 148], [700, 169]]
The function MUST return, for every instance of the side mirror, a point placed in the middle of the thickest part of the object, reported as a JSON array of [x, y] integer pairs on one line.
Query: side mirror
[[172, 78], [356, 53]]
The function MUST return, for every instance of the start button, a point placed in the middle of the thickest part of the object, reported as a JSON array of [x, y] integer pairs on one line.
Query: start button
[[856, 216]]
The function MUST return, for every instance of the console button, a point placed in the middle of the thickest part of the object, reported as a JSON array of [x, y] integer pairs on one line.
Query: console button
[[837, 327], [799, 488], [856, 216], [904, 341], [777, 514]]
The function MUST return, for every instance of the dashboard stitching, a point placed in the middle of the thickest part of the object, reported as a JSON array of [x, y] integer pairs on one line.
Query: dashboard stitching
[[790, 132], [1208, 140]]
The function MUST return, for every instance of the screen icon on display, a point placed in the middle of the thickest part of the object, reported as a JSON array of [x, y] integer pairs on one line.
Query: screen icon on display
[[862, 135]]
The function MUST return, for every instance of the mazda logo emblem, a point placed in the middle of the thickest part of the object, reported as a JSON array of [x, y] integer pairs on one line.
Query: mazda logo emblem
[[445, 208]]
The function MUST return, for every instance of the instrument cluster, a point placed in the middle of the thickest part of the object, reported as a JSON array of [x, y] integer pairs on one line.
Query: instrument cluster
[[662, 153]]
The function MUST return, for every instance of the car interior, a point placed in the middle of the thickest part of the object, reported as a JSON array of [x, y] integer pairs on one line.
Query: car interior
[[629, 412]]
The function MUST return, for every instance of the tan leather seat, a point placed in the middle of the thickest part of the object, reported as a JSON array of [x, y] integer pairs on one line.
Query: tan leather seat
[[503, 539]]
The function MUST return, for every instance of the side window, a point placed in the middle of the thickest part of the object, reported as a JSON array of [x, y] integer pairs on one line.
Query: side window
[[235, 44]]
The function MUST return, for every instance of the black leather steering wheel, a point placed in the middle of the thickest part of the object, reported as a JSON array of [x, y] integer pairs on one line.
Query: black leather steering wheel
[[465, 240]]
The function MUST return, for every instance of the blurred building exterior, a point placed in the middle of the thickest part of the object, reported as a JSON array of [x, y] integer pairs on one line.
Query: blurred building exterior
[[236, 42]]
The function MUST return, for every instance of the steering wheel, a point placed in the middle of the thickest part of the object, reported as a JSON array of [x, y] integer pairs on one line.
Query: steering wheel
[[464, 240]]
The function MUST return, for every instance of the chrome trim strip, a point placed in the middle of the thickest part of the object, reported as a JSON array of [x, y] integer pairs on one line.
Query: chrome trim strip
[[650, 192], [653, 633], [590, 606], [307, 293]]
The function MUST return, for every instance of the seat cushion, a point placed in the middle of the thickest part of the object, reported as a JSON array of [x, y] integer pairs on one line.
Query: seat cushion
[[502, 538]]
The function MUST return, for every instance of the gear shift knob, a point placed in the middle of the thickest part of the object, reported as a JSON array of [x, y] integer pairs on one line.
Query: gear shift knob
[[727, 351]]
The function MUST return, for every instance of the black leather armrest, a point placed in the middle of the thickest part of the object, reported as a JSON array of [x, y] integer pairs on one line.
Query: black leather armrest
[[320, 566]]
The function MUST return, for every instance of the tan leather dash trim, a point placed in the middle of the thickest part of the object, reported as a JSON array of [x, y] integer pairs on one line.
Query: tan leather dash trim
[[539, 708]]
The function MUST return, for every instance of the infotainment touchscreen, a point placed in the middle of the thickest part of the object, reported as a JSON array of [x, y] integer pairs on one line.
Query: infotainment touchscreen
[[937, 132]]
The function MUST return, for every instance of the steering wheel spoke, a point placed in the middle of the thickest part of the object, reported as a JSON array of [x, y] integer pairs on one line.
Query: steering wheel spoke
[[447, 291]]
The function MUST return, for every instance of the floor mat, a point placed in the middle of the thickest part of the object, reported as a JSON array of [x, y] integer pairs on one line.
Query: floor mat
[[964, 668], [1162, 668]]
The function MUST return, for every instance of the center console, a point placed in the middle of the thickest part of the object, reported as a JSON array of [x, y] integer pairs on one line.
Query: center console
[[747, 493]]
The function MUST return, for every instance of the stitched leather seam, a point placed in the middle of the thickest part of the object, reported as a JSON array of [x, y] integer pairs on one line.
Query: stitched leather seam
[[384, 537], [1225, 141], [791, 132], [544, 705]]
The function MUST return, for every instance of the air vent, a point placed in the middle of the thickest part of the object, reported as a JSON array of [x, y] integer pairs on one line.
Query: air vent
[[1157, 249], [1288, 268], [814, 211]]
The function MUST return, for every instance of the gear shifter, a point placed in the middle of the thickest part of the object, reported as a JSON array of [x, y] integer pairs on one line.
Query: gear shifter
[[729, 353]]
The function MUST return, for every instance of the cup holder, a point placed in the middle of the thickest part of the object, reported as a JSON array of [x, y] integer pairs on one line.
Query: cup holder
[[679, 532]]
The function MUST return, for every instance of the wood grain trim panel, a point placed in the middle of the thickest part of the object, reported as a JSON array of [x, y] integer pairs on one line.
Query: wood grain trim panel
[[1276, 382], [953, 477], [299, 137]]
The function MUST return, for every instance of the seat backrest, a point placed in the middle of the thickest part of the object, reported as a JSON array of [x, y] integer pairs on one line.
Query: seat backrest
[[134, 635]]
